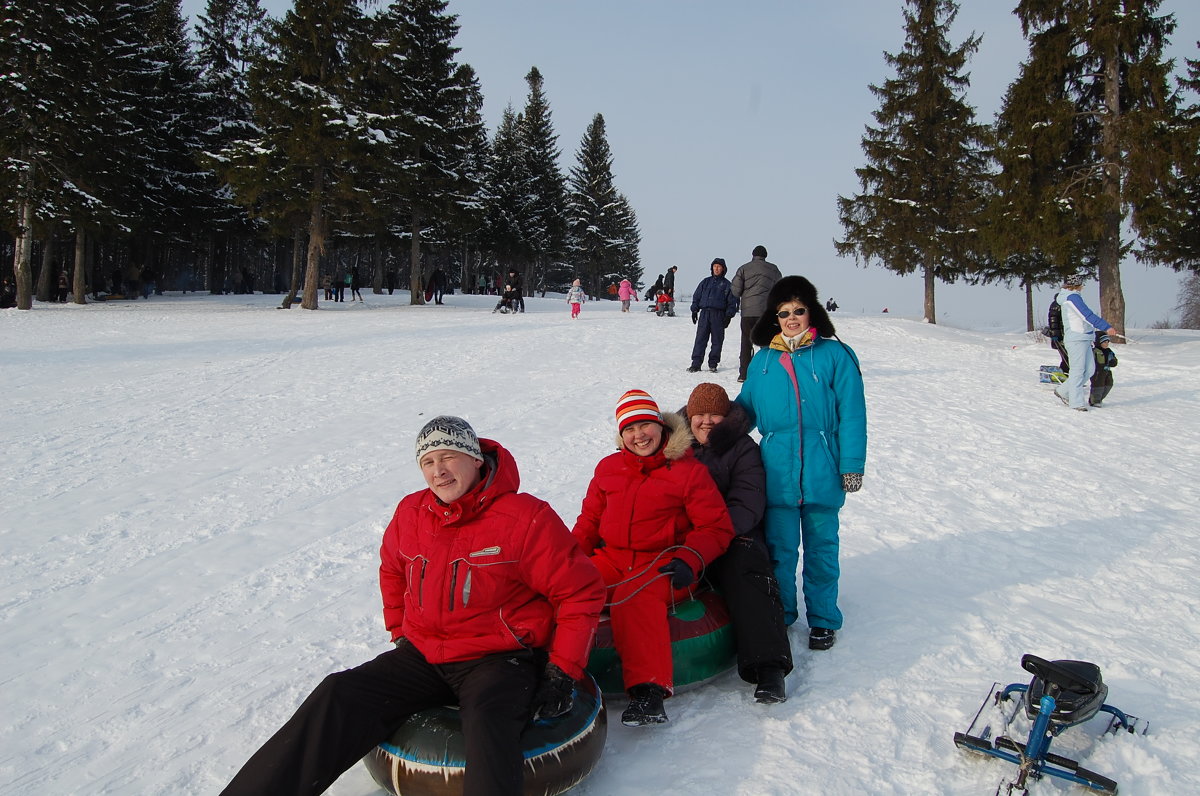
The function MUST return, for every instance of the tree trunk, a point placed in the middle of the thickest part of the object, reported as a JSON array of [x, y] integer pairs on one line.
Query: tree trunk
[[21, 256], [1028, 305], [316, 241], [930, 308], [79, 281], [297, 259], [47, 289], [416, 281], [1112, 299]]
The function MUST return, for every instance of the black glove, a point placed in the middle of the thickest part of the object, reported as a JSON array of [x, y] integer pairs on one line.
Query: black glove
[[681, 574], [555, 694], [727, 320], [695, 317], [851, 482]]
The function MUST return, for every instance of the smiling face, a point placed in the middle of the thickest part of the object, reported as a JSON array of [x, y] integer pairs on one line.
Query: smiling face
[[797, 319], [642, 438], [702, 425], [450, 474]]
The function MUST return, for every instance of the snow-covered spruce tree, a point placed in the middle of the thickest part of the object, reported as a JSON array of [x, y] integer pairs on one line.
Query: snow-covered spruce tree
[[416, 110], [924, 183], [231, 36], [594, 228], [48, 96], [1175, 239], [509, 209], [175, 199], [466, 217], [298, 170], [1097, 115], [548, 206]]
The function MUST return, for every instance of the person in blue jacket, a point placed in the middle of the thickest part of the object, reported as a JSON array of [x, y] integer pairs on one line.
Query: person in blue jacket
[[713, 307], [804, 392], [1079, 328]]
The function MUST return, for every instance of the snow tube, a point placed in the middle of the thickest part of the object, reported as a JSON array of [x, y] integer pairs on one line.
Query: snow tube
[[702, 645], [427, 757]]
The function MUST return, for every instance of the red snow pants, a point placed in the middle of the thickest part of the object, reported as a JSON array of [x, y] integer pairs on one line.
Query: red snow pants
[[639, 597]]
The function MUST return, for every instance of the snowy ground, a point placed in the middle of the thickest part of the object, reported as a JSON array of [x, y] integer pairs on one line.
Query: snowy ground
[[195, 487]]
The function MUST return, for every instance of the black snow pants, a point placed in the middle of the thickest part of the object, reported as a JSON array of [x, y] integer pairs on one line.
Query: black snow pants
[[351, 712], [745, 578]]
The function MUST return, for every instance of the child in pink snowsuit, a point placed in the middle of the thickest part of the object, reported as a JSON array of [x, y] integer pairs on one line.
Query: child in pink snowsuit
[[626, 292]]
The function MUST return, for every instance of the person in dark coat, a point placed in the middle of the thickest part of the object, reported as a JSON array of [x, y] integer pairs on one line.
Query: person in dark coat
[[742, 574], [1102, 379], [355, 284], [669, 288], [437, 280], [655, 289], [713, 307], [513, 280], [751, 283]]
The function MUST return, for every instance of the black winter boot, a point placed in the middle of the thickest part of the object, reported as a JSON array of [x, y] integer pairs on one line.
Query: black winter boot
[[770, 689], [645, 705], [821, 638]]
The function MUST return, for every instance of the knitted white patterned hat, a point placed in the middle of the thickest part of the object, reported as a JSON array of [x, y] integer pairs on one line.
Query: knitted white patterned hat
[[450, 433]]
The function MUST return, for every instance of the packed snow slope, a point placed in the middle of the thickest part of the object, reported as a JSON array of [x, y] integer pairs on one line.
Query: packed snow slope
[[195, 488]]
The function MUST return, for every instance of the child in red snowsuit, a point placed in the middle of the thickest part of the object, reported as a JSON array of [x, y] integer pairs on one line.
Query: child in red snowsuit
[[651, 521]]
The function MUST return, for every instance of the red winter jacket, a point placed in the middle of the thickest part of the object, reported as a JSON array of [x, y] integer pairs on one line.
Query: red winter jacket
[[638, 506], [491, 572]]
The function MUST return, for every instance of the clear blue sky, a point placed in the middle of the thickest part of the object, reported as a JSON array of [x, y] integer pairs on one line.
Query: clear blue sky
[[733, 125]]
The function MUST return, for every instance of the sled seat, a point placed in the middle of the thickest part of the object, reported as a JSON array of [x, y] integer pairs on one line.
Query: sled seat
[[1076, 686]]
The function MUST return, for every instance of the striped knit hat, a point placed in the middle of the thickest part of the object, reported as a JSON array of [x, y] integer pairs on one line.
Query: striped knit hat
[[637, 406], [448, 433]]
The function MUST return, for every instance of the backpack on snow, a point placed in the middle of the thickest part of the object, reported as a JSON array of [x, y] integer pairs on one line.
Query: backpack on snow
[[1054, 323]]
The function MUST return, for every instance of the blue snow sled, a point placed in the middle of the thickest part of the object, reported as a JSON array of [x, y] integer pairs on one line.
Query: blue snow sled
[[1062, 694]]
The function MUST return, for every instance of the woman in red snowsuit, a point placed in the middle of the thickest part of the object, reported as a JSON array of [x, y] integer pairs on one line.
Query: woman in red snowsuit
[[651, 521]]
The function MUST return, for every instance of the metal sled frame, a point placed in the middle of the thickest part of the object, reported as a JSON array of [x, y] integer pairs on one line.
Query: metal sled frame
[[1033, 757]]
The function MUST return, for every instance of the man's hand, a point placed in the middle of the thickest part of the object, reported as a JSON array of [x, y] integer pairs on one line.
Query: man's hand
[[554, 696], [851, 482], [695, 317]]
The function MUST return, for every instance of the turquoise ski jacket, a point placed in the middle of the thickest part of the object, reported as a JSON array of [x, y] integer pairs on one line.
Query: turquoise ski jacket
[[805, 452]]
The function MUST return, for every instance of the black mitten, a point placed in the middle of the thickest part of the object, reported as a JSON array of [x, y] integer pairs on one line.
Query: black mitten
[[555, 694], [681, 574], [695, 317]]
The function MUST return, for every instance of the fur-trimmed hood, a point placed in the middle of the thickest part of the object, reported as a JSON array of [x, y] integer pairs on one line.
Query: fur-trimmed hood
[[679, 437], [787, 289], [723, 436]]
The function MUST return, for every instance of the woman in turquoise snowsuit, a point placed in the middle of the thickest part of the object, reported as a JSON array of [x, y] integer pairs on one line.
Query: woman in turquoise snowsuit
[[804, 392]]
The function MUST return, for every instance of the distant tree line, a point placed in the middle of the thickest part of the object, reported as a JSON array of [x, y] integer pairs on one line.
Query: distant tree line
[[1093, 155], [272, 153]]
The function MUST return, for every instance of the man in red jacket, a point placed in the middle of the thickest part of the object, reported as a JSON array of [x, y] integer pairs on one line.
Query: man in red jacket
[[492, 606]]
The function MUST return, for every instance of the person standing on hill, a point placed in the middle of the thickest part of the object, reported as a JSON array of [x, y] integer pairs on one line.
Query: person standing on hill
[[713, 307], [669, 288], [751, 283], [626, 292], [576, 297], [804, 392], [1079, 329]]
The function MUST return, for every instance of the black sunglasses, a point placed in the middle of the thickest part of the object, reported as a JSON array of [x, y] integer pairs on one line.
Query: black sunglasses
[[785, 313]]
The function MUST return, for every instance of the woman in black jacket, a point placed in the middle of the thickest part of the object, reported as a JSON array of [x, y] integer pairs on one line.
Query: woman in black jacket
[[743, 574]]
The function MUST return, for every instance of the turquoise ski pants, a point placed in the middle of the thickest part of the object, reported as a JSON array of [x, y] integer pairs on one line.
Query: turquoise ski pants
[[812, 530]]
